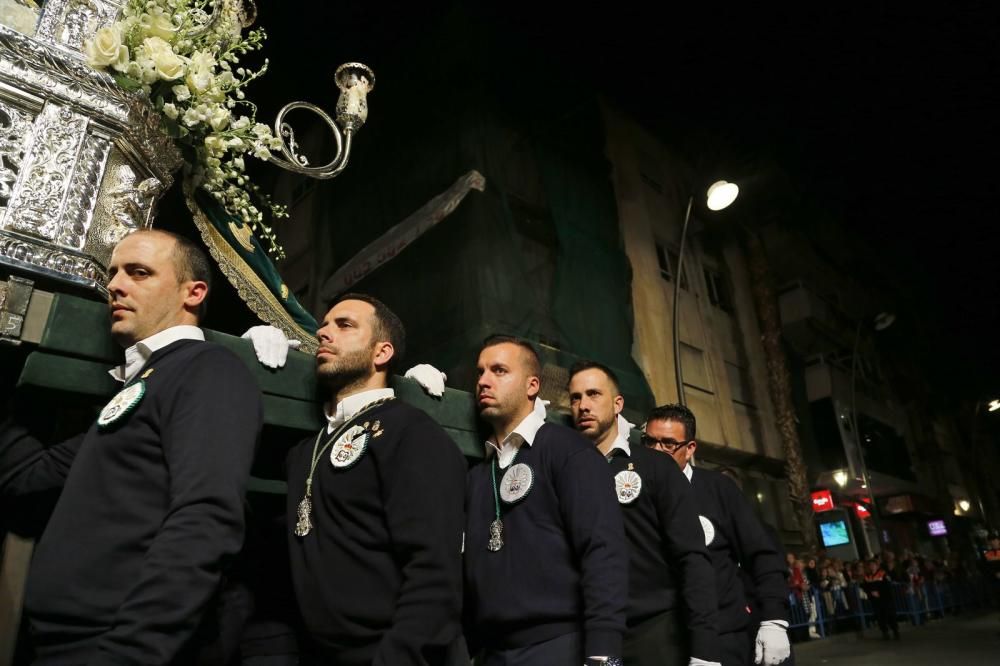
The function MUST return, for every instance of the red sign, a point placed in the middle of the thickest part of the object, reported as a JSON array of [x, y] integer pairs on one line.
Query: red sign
[[862, 511], [822, 501]]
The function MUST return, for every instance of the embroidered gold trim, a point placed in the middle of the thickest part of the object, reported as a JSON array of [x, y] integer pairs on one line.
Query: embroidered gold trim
[[248, 284], [242, 236]]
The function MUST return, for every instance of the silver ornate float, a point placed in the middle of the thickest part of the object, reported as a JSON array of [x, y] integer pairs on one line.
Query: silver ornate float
[[82, 161]]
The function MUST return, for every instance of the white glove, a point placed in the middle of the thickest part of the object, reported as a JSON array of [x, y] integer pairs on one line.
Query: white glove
[[695, 661], [430, 378], [271, 345], [540, 406], [771, 646]]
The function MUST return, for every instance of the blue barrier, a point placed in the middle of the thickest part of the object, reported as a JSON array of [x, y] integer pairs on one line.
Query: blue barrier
[[914, 603]]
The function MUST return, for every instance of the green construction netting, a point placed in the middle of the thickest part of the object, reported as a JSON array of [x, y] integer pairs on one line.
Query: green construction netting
[[539, 254]]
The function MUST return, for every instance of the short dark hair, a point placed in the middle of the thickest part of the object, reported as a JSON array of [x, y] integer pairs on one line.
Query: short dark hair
[[580, 366], [190, 263], [531, 354], [386, 325], [678, 413]]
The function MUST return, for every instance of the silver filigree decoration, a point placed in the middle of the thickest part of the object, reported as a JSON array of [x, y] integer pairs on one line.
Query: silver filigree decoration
[[15, 128], [46, 260], [65, 24], [133, 206], [51, 154], [79, 207]]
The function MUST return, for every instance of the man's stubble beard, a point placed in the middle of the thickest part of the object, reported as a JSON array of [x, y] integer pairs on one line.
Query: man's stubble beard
[[345, 371]]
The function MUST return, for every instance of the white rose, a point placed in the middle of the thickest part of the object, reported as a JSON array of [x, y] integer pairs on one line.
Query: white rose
[[190, 118], [158, 24], [181, 92], [170, 111], [201, 71], [168, 65], [105, 48], [214, 144], [219, 118]]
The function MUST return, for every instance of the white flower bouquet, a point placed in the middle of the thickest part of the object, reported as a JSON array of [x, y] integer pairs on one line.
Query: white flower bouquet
[[184, 55]]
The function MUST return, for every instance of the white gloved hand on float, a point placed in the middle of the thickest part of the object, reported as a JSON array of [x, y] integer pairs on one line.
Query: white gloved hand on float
[[430, 378], [271, 345]]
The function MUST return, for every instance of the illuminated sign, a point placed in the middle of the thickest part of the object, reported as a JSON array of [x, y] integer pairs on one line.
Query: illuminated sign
[[822, 501]]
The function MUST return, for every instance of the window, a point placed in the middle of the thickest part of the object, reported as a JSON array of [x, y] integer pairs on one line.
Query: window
[[667, 259], [717, 286], [740, 384]]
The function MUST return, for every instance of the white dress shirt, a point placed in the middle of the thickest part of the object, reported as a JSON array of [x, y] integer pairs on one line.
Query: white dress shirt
[[348, 408], [525, 433], [137, 355]]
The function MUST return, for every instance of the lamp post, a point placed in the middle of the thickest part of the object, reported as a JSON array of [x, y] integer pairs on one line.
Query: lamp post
[[719, 195], [991, 406], [883, 321]]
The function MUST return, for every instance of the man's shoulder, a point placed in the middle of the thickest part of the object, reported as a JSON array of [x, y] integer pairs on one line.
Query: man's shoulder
[[404, 412], [409, 420], [557, 434], [717, 481], [197, 360], [188, 348], [559, 441], [654, 461]]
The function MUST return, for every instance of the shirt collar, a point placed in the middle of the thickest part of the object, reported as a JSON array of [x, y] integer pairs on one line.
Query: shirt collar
[[688, 471], [349, 407], [621, 441], [137, 355], [526, 431]]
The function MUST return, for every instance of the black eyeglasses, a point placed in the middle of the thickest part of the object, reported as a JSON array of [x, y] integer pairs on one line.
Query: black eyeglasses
[[668, 444]]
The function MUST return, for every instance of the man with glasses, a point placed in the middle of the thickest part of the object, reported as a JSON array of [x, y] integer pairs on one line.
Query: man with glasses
[[668, 563], [736, 541]]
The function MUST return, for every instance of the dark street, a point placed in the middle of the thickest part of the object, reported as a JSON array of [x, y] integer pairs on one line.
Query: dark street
[[970, 640]]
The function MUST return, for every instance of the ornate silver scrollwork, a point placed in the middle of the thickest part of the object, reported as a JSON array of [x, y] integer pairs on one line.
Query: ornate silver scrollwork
[[50, 157], [133, 206], [80, 158], [65, 24], [15, 128]]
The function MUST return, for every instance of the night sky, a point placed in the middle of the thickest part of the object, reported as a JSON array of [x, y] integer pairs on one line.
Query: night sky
[[886, 118]]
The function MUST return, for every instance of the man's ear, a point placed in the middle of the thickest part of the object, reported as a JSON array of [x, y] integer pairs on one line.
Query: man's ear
[[533, 386], [196, 291], [384, 351]]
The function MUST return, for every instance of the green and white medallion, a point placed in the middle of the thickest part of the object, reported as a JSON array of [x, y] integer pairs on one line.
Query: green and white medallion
[[122, 404]]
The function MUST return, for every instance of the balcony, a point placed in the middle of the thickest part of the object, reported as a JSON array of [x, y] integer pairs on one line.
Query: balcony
[[811, 323]]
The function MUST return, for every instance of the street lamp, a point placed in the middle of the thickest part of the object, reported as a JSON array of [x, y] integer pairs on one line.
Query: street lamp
[[719, 195], [991, 406], [881, 322], [840, 476]]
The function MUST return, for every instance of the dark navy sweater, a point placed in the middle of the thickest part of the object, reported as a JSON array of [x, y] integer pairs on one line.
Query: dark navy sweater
[[378, 579], [564, 565], [740, 546], [669, 565], [150, 514]]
